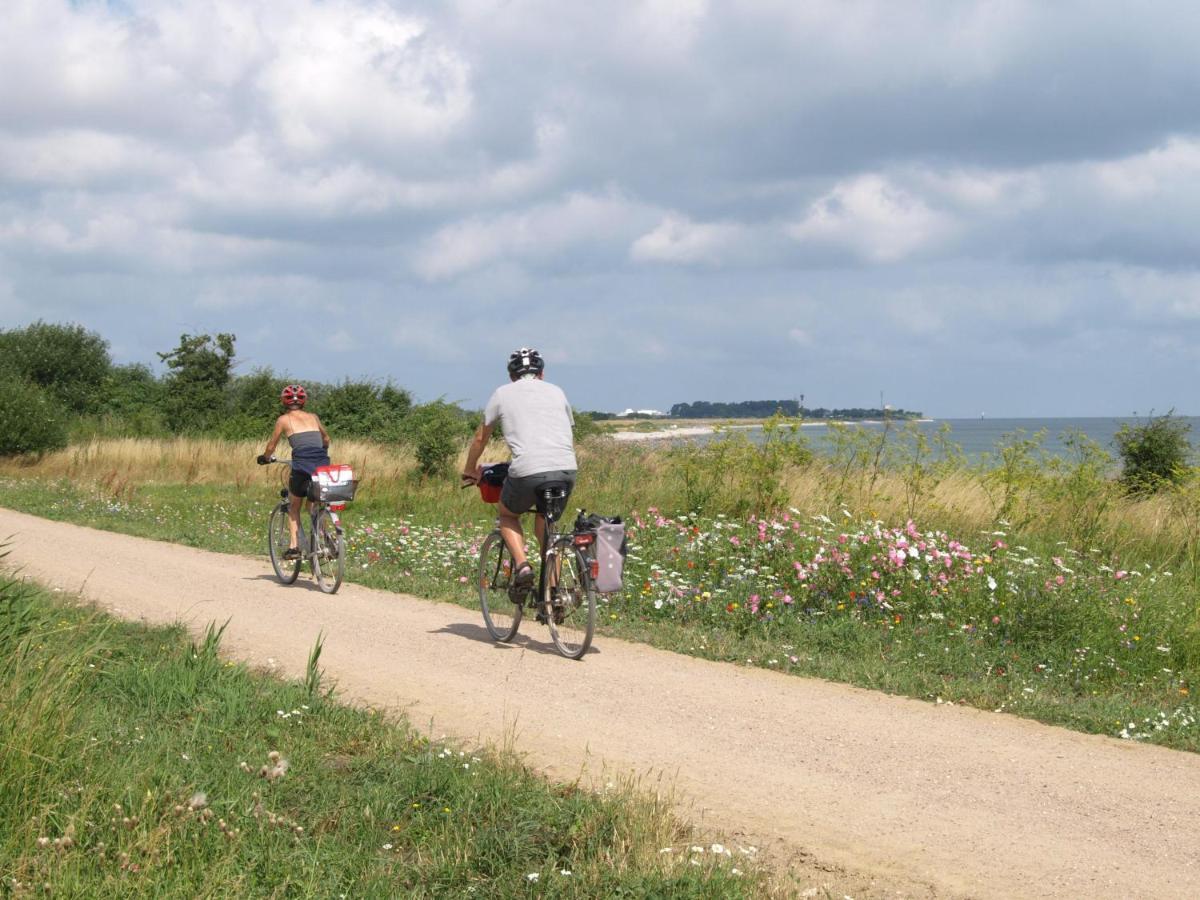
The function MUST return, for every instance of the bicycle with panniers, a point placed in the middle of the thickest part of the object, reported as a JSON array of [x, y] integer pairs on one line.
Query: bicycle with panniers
[[323, 544], [564, 597]]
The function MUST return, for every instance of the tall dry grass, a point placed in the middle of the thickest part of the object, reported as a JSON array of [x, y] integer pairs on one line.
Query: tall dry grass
[[194, 461], [616, 478]]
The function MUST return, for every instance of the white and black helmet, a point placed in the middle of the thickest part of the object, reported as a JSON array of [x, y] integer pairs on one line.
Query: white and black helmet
[[525, 361]]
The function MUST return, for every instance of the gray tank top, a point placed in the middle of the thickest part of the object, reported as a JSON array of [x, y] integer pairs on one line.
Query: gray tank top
[[305, 439]]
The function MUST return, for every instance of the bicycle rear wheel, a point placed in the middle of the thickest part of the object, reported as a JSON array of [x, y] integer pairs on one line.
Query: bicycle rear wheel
[[501, 616], [329, 556], [572, 602], [279, 538]]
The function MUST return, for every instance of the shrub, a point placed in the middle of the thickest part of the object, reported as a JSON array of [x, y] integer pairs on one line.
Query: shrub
[[131, 405], [362, 409], [34, 420], [585, 427], [253, 405], [67, 360], [436, 431], [200, 371], [1154, 453]]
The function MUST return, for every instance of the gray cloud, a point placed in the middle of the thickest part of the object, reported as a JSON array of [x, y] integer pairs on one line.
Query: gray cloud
[[678, 199]]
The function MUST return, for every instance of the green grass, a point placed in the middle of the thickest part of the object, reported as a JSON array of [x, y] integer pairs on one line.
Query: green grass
[[1087, 655], [133, 765]]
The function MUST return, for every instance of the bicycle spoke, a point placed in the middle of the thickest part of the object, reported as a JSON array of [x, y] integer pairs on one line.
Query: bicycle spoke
[[329, 551], [279, 538], [501, 616], [572, 602]]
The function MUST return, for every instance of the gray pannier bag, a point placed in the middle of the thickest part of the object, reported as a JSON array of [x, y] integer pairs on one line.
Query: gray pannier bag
[[607, 551], [610, 556]]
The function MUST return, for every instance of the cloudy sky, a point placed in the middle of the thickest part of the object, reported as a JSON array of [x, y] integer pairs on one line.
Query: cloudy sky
[[989, 206]]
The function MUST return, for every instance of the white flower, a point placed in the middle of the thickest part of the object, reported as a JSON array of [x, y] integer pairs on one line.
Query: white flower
[[387, 846], [697, 849], [532, 877], [991, 582], [566, 873]]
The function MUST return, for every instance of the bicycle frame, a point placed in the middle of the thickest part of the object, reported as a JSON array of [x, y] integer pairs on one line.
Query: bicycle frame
[[322, 547], [570, 612]]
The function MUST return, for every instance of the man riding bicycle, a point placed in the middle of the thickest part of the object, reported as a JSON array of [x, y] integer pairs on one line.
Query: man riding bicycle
[[536, 421], [310, 449]]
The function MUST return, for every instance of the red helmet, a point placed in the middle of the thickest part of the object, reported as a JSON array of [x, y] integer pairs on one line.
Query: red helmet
[[293, 394]]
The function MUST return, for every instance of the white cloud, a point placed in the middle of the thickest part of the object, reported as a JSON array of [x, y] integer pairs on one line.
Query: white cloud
[[81, 158], [346, 73], [1161, 170], [799, 336], [677, 239], [1160, 297], [578, 220], [873, 219]]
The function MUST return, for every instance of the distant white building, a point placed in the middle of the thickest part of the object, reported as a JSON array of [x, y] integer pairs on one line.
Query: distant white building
[[641, 412]]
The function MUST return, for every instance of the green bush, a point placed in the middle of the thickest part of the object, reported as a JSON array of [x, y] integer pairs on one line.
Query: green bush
[[131, 405], [1154, 453], [67, 360], [34, 420], [585, 427], [436, 432], [362, 409], [253, 405], [200, 372]]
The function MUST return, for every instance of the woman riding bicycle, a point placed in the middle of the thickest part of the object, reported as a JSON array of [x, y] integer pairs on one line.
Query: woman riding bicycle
[[310, 449]]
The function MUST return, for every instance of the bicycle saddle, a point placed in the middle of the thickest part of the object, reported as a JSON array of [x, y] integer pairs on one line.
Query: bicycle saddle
[[551, 496]]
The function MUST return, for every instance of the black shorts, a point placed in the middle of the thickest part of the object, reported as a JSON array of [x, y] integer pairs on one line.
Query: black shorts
[[519, 495], [298, 483]]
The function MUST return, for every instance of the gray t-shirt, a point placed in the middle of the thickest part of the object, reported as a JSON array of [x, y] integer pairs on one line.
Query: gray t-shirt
[[536, 419]]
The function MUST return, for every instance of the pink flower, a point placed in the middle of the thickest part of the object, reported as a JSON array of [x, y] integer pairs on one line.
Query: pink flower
[[736, 541], [1121, 573], [787, 599]]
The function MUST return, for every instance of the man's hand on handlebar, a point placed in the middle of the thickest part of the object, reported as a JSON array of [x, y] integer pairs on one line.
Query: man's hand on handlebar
[[470, 478], [263, 459]]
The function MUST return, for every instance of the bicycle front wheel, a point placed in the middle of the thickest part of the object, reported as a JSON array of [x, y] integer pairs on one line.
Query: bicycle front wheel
[[279, 538], [501, 616], [329, 553], [571, 602]]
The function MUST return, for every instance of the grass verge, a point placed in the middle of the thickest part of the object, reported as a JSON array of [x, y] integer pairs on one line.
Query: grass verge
[[137, 763], [1034, 630]]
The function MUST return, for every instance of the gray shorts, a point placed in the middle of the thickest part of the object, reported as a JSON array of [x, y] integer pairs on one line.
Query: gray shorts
[[519, 495]]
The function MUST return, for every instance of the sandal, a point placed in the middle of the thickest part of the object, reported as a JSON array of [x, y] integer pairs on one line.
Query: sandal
[[524, 576], [291, 553]]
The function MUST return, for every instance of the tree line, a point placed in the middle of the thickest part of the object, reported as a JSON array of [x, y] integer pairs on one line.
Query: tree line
[[762, 409], [58, 382]]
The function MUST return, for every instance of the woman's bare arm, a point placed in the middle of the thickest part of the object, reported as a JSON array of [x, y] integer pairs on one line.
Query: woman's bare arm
[[275, 435]]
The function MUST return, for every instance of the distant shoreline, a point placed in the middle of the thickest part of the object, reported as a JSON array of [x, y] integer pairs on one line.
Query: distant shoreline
[[702, 430]]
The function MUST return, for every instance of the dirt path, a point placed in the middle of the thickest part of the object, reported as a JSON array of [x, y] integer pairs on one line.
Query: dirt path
[[873, 795]]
